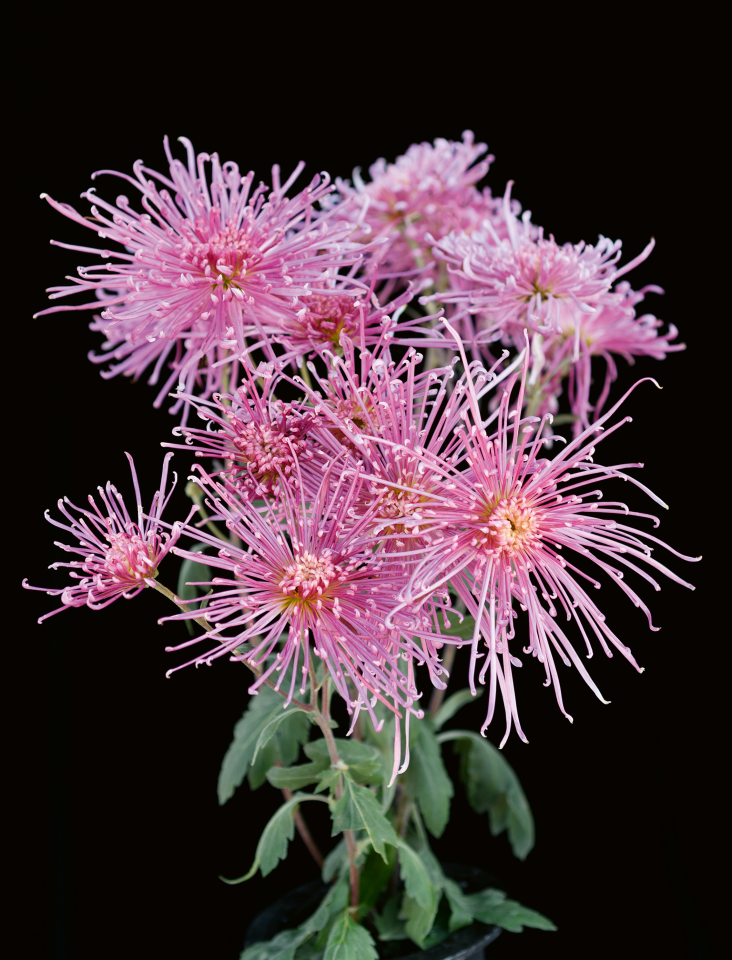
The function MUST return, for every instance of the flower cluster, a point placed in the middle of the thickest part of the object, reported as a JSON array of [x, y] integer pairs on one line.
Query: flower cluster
[[374, 471]]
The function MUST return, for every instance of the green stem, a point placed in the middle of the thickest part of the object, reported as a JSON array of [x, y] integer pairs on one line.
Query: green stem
[[323, 721]]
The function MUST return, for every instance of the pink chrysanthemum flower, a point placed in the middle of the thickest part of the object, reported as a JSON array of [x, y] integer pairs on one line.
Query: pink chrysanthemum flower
[[263, 442], [429, 190], [522, 282], [310, 572], [120, 556], [400, 425], [614, 328], [504, 525], [206, 263]]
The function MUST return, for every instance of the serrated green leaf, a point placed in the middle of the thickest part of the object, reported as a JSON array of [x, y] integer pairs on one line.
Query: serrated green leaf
[[349, 940], [327, 780], [419, 920], [415, 876], [275, 839], [358, 809], [332, 903], [460, 912], [374, 877], [235, 766], [363, 761], [491, 906], [493, 787], [335, 861], [280, 947], [451, 706], [293, 778], [427, 782], [388, 924]]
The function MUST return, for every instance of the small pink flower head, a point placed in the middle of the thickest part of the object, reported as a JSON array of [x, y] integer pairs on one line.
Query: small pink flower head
[[120, 556], [613, 328], [264, 442], [522, 282], [209, 260], [430, 189], [503, 539], [329, 313], [309, 576]]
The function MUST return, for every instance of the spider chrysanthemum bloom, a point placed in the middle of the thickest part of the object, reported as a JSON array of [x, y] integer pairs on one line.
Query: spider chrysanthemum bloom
[[120, 556], [510, 524], [209, 259], [263, 442], [612, 329], [333, 311], [521, 282], [430, 190], [307, 582]]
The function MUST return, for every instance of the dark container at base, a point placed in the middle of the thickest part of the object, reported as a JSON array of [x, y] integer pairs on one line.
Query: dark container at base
[[468, 943]]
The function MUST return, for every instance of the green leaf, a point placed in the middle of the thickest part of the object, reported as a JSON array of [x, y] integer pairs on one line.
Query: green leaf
[[358, 809], [293, 729], [328, 780], [388, 924], [293, 778], [491, 906], [335, 900], [363, 761], [260, 710], [493, 787], [273, 843], [427, 782], [415, 876], [349, 940], [335, 861], [419, 920], [460, 912], [420, 901], [281, 947], [270, 728], [374, 877], [451, 706]]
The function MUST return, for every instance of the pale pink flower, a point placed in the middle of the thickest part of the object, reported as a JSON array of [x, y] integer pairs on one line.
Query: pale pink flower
[[310, 572], [613, 328], [522, 282], [263, 442], [120, 556], [503, 532], [400, 425], [330, 312], [430, 190], [206, 264]]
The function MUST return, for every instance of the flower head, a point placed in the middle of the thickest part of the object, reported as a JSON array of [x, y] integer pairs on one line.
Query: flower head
[[207, 262], [503, 539], [264, 442], [521, 282], [311, 572], [430, 190], [120, 556]]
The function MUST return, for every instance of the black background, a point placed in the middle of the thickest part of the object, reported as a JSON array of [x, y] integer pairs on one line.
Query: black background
[[118, 824]]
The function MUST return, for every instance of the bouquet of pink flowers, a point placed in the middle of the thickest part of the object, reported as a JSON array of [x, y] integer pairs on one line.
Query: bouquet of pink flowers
[[389, 391]]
